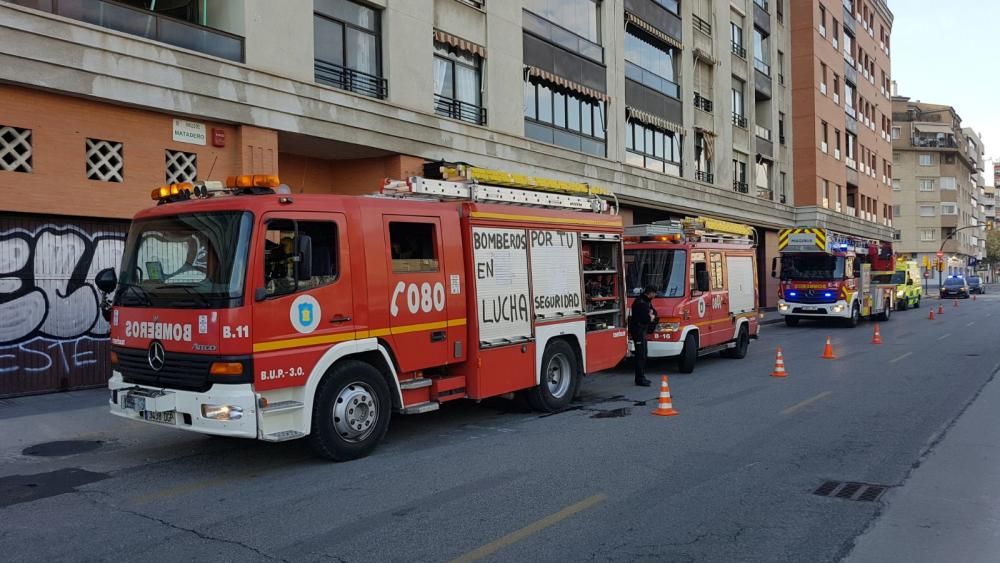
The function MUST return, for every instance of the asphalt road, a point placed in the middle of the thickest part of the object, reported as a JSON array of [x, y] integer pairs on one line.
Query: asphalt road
[[731, 478]]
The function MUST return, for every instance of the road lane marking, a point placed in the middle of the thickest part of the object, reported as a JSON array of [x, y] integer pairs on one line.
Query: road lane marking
[[530, 529], [906, 355], [807, 402], [943, 336]]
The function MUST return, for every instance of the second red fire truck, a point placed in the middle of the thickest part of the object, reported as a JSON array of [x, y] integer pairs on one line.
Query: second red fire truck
[[248, 313]]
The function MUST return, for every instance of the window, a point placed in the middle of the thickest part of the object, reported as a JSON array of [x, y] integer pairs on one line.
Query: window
[[697, 265], [927, 184], [895, 133], [823, 139], [762, 178], [897, 185], [299, 255], [702, 162], [822, 21], [835, 36], [105, 160], [413, 247], [651, 65], [849, 97], [15, 149], [926, 159], [761, 52], [737, 98], [582, 17], [782, 196], [825, 192], [927, 235], [736, 36], [851, 144], [740, 174], [672, 6], [347, 44], [948, 183], [457, 90], [563, 118], [949, 209], [781, 128], [652, 148], [836, 88], [715, 271], [822, 78], [927, 211], [781, 67], [896, 210], [181, 167]]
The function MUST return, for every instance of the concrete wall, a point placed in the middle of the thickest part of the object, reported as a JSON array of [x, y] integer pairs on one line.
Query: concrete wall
[[279, 36]]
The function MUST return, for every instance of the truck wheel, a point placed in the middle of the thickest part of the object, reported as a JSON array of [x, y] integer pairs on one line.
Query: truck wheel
[[559, 378], [902, 304], [351, 411], [886, 313], [739, 351], [689, 354], [791, 321], [855, 317], [916, 303]]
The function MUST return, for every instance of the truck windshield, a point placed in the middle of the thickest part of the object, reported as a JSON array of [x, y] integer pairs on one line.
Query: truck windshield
[[662, 268], [812, 266], [194, 260], [897, 278]]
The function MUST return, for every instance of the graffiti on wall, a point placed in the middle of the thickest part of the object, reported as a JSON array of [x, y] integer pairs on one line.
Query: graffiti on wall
[[50, 318]]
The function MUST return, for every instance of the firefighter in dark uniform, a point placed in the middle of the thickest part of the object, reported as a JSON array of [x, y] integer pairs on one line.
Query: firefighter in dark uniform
[[640, 323]]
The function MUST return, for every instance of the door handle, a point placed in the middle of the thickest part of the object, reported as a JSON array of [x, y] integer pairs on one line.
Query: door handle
[[340, 319], [438, 336]]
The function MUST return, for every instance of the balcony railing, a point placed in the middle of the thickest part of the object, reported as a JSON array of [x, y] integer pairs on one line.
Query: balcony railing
[[781, 78], [947, 142], [762, 66], [765, 193], [739, 120], [738, 50], [741, 187], [702, 25], [704, 176], [702, 103], [652, 80], [555, 33], [351, 80], [143, 23], [762, 132], [781, 139], [762, 4], [460, 110]]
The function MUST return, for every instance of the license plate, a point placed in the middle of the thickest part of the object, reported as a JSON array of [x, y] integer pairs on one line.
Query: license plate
[[809, 308], [134, 403], [166, 417]]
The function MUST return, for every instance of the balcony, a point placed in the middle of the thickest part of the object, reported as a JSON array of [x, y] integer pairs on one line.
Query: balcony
[[762, 66], [652, 80], [738, 50], [762, 132], [147, 24], [741, 187], [762, 4], [456, 109], [702, 103], [739, 120], [938, 141], [351, 80], [702, 25], [707, 177]]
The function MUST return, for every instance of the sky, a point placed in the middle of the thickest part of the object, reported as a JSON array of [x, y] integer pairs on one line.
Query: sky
[[946, 53]]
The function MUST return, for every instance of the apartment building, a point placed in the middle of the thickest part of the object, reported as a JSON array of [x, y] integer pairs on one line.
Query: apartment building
[[841, 108], [937, 185]]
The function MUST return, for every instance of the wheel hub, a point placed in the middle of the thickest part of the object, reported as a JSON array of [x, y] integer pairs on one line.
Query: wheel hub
[[355, 412], [557, 376]]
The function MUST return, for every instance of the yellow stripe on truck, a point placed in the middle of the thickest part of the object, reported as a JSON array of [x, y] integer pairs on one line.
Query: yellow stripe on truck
[[302, 341]]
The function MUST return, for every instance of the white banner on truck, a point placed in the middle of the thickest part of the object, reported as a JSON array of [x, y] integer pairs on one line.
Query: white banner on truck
[[501, 270], [555, 274]]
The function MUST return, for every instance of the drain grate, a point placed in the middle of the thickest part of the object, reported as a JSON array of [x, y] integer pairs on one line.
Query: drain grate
[[862, 492]]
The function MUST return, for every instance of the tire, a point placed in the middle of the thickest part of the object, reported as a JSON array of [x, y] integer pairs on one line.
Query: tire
[[791, 321], [855, 317], [916, 303], [351, 411], [903, 304], [560, 378], [886, 313], [742, 345], [689, 354]]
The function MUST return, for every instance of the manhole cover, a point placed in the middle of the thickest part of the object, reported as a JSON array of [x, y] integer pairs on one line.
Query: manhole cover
[[862, 492], [613, 413], [61, 448]]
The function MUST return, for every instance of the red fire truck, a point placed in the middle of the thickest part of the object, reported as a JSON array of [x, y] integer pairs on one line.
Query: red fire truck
[[244, 312], [706, 273], [826, 275]]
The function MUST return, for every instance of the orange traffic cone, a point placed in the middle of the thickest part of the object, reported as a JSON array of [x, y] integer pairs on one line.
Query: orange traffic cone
[[954, 302], [973, 296], [877, 338], [828, 350], [666, 407], [779, 365], [931, 316], [940, 308]]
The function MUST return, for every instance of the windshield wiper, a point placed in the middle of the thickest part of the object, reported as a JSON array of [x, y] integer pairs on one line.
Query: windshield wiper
[[202, 300], [143, 295]]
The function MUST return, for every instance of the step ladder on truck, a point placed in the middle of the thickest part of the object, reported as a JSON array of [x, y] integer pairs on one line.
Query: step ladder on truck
[[705, 272], [252, 312], [828, 275]]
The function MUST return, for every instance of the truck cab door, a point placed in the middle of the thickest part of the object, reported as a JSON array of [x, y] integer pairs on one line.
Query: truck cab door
[[303, 299], [418, 304]]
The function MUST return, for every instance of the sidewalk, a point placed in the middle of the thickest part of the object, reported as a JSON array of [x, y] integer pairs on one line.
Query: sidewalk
[[948, 509]]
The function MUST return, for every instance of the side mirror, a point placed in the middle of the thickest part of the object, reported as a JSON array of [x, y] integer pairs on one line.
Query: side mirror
[[106, 280], [702, 280], [303, 257]]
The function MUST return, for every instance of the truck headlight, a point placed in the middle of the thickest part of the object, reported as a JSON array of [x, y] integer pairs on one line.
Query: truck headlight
[[838, 308], [900, 293], [222, 412], [783, 306], [668, 327]]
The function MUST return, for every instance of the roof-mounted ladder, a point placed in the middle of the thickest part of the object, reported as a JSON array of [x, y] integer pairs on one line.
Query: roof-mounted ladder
[[417, 186]]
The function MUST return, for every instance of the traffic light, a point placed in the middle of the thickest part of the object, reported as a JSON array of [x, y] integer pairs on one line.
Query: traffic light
[[940, 265]]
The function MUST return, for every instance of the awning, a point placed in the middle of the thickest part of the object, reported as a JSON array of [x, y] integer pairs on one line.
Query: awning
[[459, 43], [633, 19], [652, 120], [699, 53], [708, 142], [934, 128], [564, 83]]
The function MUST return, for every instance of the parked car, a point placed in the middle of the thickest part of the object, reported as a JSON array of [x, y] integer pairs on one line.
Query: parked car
[[976, 285], [955, 287]]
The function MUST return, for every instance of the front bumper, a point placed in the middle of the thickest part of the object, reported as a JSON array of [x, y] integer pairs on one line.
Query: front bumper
[[186, 406], [840, 309]]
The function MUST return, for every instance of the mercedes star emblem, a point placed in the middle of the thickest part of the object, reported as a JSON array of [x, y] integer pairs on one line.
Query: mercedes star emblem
[[156, 355]]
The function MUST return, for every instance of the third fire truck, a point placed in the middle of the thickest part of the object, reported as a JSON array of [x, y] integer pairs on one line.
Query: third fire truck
[[826, 275], [241, 311]]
